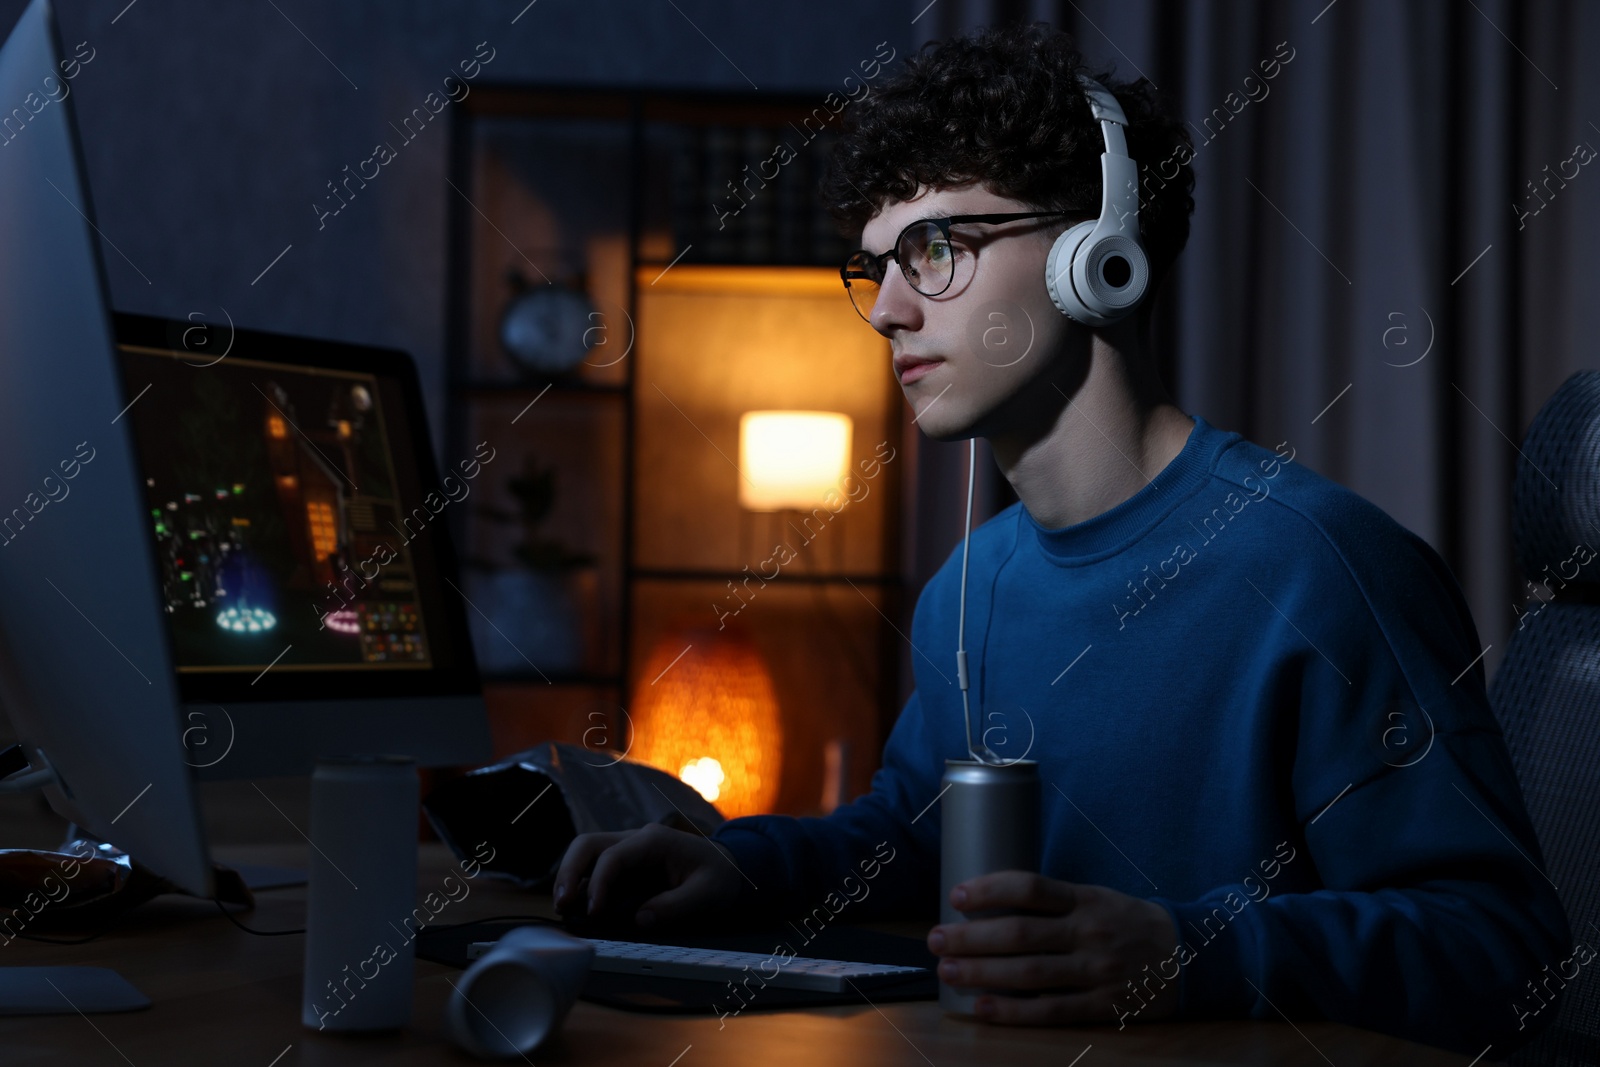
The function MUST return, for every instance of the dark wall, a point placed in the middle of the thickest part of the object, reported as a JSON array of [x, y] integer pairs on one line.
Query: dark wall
[[212, 129]]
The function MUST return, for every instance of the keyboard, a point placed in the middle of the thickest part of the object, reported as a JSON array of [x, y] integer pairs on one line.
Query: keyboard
[[720, 965]]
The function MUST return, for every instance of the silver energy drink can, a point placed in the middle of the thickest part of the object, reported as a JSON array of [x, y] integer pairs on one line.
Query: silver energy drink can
[[361, 894], [989, 818]]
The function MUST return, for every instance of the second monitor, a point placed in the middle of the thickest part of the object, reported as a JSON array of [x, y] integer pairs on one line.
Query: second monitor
[[299, 524]]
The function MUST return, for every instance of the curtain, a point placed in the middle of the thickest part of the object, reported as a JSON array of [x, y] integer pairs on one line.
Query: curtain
[[1391, 261]]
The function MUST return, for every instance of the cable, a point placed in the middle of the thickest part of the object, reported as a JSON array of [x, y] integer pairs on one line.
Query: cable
[[103, 932], [961, 626], [287, 933], [259, 933], [64, 941], [420, 930], [491, 919]]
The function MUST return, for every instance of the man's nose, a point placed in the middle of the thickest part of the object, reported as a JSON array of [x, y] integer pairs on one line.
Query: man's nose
[[897, 305]]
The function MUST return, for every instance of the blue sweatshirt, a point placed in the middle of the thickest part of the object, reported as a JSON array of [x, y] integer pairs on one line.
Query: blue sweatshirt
[[1254, 699]]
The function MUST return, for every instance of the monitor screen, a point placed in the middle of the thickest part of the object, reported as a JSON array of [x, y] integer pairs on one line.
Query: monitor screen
[[297, 543]]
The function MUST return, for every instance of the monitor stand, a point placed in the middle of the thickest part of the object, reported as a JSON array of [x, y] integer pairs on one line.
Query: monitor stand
[[57, 990], [259, 876], [64, 990], [88, 990]]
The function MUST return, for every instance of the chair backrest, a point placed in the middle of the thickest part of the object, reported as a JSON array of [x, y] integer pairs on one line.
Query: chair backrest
[[1546, 692]]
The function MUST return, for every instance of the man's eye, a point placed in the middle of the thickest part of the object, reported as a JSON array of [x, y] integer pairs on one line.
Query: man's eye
[[939, 251]]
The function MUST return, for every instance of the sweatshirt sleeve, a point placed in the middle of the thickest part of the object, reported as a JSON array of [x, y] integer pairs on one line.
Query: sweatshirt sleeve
[[1421, 908], [876, 856]]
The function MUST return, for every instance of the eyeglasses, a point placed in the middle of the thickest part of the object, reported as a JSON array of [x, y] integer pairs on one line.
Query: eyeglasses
[[924, 253]]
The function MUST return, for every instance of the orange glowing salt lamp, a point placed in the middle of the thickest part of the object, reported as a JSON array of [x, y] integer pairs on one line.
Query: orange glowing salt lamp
[[705, 711]]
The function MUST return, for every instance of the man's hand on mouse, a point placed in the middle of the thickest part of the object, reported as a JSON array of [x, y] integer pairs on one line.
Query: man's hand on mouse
[[1079, 946], [680, 875]]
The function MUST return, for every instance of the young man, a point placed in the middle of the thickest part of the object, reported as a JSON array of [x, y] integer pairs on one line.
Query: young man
[[1272, 782]]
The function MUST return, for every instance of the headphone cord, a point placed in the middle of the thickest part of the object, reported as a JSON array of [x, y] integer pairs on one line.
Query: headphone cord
[[961, 625]]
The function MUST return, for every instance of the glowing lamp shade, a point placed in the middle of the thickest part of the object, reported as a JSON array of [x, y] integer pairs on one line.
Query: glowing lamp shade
[[789, 459], [706, 713]]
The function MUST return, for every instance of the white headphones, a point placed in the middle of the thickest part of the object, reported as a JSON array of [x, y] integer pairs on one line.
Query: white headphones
[[1097, 271]]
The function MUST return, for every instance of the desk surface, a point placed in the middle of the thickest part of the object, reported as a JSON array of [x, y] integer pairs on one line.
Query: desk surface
[[222, 996]]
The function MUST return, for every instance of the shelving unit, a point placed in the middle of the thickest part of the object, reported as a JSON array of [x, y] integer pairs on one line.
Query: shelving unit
[[616, 189]]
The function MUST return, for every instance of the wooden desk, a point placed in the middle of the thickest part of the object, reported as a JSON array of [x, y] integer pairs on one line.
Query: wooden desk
[[224, 997]]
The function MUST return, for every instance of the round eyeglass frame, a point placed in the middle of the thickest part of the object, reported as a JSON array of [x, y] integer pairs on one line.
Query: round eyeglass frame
[[853, 267]]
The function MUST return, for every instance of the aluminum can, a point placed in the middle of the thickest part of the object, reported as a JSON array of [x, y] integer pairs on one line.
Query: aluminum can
[[361, 891], [989, 816]]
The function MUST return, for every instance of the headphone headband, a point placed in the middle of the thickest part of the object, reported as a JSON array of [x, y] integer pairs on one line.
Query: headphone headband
[[1101, 102], [1097, 271], [1119, 187]]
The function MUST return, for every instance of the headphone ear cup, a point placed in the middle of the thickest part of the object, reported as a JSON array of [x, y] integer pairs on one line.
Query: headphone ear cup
[[1112, 273], [1096, 283], [1058, 272]]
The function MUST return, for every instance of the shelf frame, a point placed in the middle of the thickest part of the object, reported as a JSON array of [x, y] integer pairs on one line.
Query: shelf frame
[[638, 107]]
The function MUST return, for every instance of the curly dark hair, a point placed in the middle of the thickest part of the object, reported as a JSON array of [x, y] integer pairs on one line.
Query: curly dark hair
[[1004, 107]]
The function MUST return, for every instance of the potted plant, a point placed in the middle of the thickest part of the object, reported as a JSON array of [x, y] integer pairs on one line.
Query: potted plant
[[527, 615]]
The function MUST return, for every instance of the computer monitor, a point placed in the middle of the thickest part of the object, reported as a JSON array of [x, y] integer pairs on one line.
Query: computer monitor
[[85, 666], [302, 548], [100, 680]]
